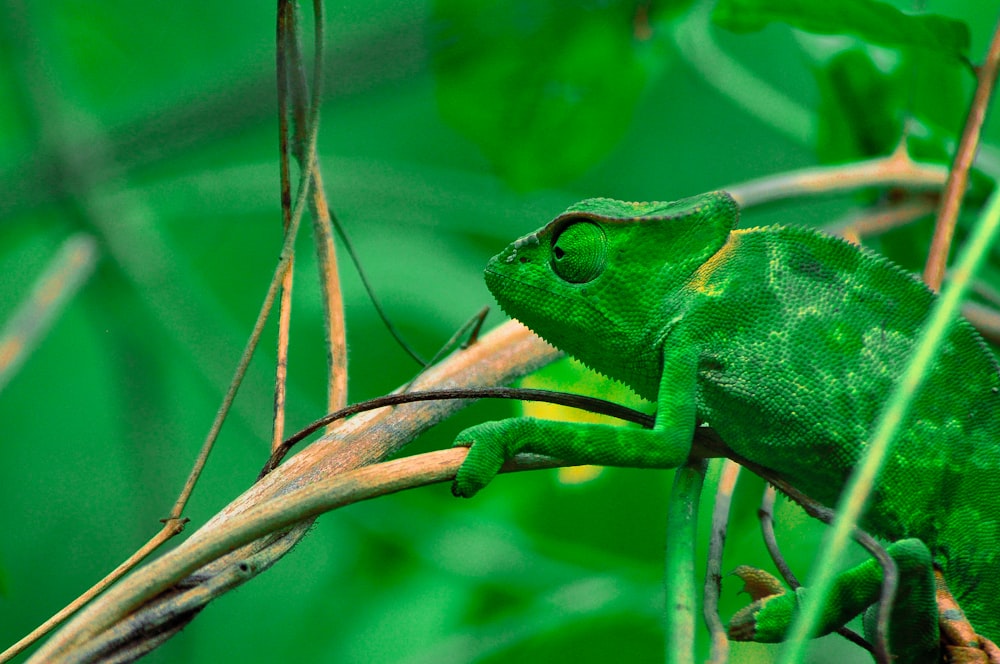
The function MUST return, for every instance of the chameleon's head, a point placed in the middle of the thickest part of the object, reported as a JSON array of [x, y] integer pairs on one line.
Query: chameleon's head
[[598, 281]]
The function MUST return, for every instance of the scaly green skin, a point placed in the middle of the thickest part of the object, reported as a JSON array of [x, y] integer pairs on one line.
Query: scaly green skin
[[786, 341]]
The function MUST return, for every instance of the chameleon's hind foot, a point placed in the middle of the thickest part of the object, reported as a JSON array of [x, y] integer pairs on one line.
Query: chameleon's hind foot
[[766, 618], [763, 588], [913, 631]]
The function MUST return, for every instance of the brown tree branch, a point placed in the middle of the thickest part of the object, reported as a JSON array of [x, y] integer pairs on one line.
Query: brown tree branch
[[895, 170], [958, 176], [123, 616]]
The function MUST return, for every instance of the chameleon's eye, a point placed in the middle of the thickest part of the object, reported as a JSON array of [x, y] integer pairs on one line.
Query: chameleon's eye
[[579, 251]]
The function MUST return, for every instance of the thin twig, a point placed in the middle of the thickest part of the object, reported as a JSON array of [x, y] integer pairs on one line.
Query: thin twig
[[345, 240], [287, 25], [766, 514], [958, 177], [877, 221], [281, 359], [469, 331], [896, 169], [591, 404], [65, 274], [244, 362], [284, 262], [305, 106], [333, 301], [890, 577], [713, 577]]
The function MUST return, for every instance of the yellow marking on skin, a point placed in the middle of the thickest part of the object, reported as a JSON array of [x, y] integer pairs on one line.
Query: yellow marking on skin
[[808, 311], [701, 280]]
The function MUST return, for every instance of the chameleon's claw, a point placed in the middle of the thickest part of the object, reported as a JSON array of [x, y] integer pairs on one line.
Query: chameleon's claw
[[466, 485], [458, 490], [468, 482]]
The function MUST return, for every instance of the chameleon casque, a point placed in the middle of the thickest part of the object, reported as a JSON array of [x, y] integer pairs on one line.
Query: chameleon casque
[[786, 341]]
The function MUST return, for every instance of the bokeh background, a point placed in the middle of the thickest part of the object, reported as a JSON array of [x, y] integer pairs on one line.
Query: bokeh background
[[448, 128]]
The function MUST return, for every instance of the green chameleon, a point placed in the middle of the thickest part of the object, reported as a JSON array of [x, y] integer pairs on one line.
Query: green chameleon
[[786, 341]]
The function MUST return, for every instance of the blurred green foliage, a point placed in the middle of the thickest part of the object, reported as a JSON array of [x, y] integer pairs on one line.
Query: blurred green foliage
[[534, 73], [872, 21], [448, 129]]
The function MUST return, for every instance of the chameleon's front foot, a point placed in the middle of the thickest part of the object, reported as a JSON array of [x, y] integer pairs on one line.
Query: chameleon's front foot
[[492, 443], [488, 449]]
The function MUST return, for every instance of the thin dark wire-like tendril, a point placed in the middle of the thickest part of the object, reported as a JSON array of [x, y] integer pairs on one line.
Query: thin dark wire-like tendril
[[573, 400], [371, 292]]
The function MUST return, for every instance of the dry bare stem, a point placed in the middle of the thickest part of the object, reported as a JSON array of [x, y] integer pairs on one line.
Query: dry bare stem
[[137, 615], [958, 175]]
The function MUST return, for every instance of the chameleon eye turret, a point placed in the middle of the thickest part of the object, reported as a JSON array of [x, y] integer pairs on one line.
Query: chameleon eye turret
[[579, 251]]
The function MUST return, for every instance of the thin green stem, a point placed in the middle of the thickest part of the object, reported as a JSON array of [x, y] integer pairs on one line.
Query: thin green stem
[[682, 532]]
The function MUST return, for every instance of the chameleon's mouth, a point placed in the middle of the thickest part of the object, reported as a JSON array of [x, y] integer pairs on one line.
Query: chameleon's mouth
[[502, 268]]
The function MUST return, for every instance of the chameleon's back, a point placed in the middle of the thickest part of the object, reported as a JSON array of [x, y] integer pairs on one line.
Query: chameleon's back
[[803, 337]]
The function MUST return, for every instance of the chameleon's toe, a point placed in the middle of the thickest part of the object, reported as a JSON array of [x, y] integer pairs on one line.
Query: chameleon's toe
[[482, 463], [766, 618], [743, 625], [466, 484], [757, 583]]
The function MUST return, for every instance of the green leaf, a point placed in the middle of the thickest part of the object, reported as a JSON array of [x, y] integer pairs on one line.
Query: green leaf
[[865, 102], [545, 89], [861, 108], [939, 93], [874, 22]]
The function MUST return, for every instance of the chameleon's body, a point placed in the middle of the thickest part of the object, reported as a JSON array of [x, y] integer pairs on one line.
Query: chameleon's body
[[787, 342]]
